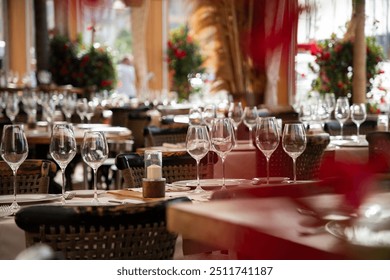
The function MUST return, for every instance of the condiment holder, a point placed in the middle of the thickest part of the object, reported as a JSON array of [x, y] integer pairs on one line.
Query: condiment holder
[[153, 186]]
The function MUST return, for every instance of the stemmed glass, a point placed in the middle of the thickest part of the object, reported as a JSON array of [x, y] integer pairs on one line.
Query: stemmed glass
[[12, 109], [358, 115], [330, 103], [236, 114], [197, 145], [63, 148], [195, 116], [81, 108], [208, 115], [267, 138], [94, 151], [294, 142], [222, 140], [14, 150], [250, 118], [342, 112], [68, 106]]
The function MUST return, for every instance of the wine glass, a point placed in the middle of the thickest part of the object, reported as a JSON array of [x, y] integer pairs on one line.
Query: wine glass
[[267, 138], [63, 148], [222, 140], [12, 109], [236, 114], [330, 103], [358, 115], [342, 112], [94, 151], [197, 145], [294, 142], [195, 116], [250, 117], [208, 115], [68, 106], [81, 108], [14, 150]]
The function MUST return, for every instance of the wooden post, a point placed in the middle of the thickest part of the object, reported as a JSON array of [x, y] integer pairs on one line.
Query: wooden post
[[359, 82]]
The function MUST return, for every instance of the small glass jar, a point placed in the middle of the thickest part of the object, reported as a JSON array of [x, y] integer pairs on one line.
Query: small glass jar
[[153, 164]]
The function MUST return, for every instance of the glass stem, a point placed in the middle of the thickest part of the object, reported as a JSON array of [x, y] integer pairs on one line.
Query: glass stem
[[63, 185], [95, 184], [250, 137], [295, 170], [14, 171], [358, 126], [267, 170], [341, 130], [223, 173], [236, 133], [197, 176]]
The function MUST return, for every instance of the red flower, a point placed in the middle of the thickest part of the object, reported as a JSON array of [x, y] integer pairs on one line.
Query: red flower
[[180, 53], [338, 48], [381, 71], [170, 45], [105, 83], [326, 56], [340, 84], [315, 49]]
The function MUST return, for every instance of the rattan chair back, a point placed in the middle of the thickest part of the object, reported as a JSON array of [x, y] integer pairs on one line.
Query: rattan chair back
[[379, 148], [157, 136], [349, 128], [176, 167], [101, 232], [308, 163], [33, 176]]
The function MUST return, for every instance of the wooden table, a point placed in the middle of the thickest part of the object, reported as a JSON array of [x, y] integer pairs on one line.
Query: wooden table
[[263, 228], [41, 135]]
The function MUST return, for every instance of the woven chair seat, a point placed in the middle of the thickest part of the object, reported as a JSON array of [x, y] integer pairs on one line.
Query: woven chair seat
[[101, 232], [308, 163], [176, 167], [33, 176]]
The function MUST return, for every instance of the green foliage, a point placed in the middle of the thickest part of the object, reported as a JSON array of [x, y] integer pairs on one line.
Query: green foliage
[[91, 68], [123, 43], [335, 60], [184, 58]]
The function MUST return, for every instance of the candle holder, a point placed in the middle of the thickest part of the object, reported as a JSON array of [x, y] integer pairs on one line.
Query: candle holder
[[153, 186]]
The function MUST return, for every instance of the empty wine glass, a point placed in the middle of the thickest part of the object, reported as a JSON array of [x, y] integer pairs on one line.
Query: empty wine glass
[[294, 142], [12, 109], [222, 140], [341, 112], [197, 145], [195, 116], [358, 116], [81, 108], [330, 102], [209, 115], [68, 106], [94, 151], [14, 150], [250, 117], [63, 148], [236, 114], [267, 138]]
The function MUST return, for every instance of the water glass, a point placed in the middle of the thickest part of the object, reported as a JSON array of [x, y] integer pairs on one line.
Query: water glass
[[63, 148], [294, 142], [94, 152], [358, 115], [14, 151], [250, 119], [342, 111], [267, 138], [197, 146], [236, 114]]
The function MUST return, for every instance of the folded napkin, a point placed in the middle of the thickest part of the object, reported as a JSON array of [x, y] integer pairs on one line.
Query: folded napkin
[[174, 146]]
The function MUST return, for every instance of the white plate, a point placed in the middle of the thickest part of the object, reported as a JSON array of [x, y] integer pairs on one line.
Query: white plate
[[208, 183], [362, 235], [87, 193], [272, 180], [28, 198]]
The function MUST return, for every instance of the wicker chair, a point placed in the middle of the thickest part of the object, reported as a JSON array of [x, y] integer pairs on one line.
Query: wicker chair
[[33, 177], [349, 128], [308, 163], [379, 149], [176, 167], [156, 136], [101, 232]]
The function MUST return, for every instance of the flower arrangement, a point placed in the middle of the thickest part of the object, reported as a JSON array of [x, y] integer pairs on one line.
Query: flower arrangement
[[70, 64], [334, 58], [183, 58]]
